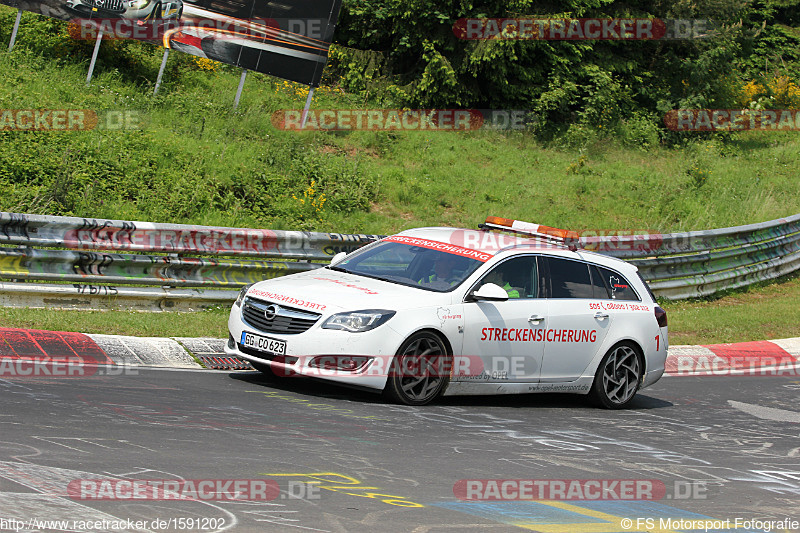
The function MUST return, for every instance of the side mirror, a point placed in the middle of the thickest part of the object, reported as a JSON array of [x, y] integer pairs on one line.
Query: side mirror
[[490, 292], [338, 257]]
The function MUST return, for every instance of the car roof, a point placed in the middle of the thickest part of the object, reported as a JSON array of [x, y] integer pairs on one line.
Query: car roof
[[503, 244]]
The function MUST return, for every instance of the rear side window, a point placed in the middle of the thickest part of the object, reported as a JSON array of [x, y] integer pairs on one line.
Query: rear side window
[[569, 279], [618, 286], [601, 291]]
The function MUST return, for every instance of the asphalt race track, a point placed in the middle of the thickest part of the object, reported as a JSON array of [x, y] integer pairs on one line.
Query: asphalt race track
[[716, 449]]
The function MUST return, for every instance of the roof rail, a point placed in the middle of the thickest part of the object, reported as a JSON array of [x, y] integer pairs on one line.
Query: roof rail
[[566, 238]]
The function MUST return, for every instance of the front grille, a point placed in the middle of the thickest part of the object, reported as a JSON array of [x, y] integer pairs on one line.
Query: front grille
[[110, 5], [287, 320]]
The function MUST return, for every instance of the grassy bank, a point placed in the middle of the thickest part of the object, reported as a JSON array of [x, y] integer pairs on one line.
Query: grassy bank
[[767, 312], [198, 161]]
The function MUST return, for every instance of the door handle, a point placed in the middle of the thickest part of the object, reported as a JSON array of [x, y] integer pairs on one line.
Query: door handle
[[535, 319], [600, 315]]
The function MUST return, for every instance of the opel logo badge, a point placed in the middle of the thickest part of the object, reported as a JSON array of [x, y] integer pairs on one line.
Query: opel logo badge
[[271, 311]]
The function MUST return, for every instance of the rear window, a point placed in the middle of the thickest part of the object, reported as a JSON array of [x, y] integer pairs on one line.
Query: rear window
[[647, 287], [618, 287]]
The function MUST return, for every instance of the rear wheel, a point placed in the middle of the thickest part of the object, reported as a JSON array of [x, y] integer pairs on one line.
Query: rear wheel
[[420, 371], [618, 377]]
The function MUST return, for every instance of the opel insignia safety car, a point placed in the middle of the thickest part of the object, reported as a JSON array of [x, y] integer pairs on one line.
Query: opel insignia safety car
[[436, 311]]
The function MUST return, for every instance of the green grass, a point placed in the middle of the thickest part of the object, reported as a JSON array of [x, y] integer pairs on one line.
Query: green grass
[[766, 312], [210, 323], [769, 312], [197, 161], [459, 179]]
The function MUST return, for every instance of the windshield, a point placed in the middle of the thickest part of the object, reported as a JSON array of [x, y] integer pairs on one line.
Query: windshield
[[415, 262]]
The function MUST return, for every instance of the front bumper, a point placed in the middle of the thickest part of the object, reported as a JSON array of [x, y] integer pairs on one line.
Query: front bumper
[[302, 349], [81, 10]]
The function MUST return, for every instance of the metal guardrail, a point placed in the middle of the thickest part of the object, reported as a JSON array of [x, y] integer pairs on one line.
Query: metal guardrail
[[110, 264], [188, 264], [701, 263]]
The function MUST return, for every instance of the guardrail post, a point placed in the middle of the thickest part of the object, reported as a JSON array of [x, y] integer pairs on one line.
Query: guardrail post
[[305, 109], [14, 30], [161, 70], [239, 90], [94, 55]]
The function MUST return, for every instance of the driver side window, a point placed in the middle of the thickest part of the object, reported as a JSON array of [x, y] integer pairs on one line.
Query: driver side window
[[518, 276]]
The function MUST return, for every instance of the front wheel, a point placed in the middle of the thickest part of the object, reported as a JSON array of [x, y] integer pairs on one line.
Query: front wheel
[[420, 371], [618, 377]]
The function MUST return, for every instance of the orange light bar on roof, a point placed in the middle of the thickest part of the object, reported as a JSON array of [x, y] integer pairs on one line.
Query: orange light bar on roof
[[499, 221], [520, 226]]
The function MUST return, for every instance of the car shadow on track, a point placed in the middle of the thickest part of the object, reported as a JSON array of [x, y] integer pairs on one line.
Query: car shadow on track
[[322, 389]]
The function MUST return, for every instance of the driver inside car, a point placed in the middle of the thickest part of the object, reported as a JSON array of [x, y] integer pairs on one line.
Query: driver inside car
[[443, 270], [497, 277]]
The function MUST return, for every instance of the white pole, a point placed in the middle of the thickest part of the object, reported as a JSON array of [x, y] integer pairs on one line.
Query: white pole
[[161, 70], [239, 90], [94, 55], [14, 31], [305, 109]]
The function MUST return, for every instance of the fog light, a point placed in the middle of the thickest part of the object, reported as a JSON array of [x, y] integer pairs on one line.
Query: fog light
[[343, 363]]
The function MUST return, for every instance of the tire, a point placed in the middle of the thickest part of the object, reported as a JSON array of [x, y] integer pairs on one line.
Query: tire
[[618, 377], [420, 371]]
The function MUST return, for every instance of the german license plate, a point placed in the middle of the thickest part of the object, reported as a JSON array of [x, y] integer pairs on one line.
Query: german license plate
[[264, 344]]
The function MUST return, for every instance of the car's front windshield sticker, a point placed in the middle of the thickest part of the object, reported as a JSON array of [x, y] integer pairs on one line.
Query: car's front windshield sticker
[[442, 247]]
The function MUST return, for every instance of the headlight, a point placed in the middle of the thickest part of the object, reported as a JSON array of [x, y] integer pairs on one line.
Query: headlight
[[138, 4], [358, 321], [240, 298]]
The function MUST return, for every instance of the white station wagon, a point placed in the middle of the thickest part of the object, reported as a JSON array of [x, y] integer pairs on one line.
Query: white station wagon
[[435, 311]]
